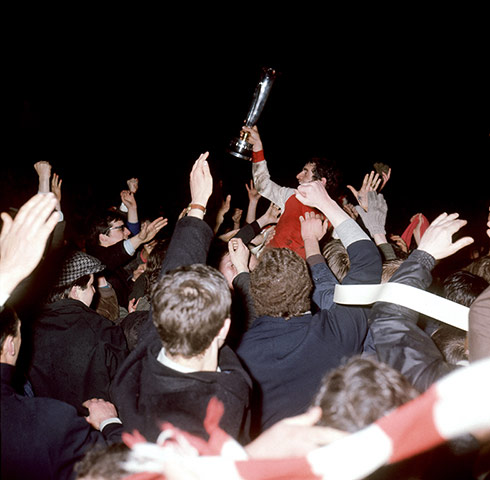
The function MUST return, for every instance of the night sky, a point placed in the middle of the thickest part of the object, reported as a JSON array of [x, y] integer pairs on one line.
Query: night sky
[[103, 114]]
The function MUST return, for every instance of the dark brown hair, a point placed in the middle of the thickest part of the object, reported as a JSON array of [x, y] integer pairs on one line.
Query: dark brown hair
[[280, 284], [190, 305]]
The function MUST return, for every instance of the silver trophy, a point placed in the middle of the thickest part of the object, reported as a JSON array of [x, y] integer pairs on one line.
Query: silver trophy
[[239, 147]]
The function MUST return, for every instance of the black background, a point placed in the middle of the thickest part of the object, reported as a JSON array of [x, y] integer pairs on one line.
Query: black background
[[104, 111]]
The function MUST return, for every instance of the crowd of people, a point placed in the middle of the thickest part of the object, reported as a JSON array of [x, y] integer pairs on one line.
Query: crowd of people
[[297, 340]]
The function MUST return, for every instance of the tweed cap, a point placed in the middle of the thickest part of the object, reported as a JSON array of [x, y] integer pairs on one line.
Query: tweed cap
[[76, 266]]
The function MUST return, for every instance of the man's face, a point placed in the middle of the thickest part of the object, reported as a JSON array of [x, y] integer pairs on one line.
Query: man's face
[[117, 232], [228, 270], [306, 175]]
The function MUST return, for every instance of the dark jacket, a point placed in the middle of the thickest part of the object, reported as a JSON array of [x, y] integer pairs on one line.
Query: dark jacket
[[115, 258], [398, 340], [75, 354], [287, 359], [146, 392], [43, 438]]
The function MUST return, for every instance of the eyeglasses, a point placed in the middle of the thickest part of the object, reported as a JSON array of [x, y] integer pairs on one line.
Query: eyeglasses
[[118, 227]]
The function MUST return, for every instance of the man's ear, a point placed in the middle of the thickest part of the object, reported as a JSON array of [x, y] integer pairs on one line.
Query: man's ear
[[102, 239], [74, 293], [8, 350], [225, 329], [324, 181], [11, 345]]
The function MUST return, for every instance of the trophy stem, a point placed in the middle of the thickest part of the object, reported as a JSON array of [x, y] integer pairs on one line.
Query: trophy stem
[[239, 147]]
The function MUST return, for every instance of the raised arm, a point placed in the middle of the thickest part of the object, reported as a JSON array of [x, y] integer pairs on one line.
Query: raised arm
[[23, 240], [192, 236], [374, 219], [260, 172], [398, 340], [148, 232], [248, 232], [46, 183], [43, 170], [313, 194], [128, 198], [222, 211], [363, 254], [56, 182], [253, 200], [313, 228]]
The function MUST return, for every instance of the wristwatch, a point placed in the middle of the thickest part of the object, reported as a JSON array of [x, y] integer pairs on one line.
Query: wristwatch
[[195, 205]]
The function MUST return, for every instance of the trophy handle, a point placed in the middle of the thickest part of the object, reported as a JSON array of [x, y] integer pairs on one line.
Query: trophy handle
[[239, 147]]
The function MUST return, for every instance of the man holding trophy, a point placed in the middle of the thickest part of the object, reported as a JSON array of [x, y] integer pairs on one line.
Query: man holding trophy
[[288, 229], [249, 147]]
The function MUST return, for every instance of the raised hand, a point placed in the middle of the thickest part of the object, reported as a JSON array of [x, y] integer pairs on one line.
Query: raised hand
[[270, 216], [386, 176], [312, 194], [236, 217], [128, 198], [313, 227], [371, 182], [253, 137], [149, 230], [23, 239], [437, 239], [400, 242], [239, 254], [56, 187], [253, 194], [43, 169], [201, 181], [133, 184], [374, 216], [225, 206]]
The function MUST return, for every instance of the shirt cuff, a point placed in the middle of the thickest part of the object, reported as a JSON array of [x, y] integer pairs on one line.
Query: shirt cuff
[[108, 421], [258, 156], [424, 258], [349, 232], [315, 259], [128, 246]]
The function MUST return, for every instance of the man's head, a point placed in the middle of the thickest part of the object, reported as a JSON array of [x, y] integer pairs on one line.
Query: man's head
[[360, 392], [219, 258], [337, 258], [10, 337], [191, 305], [280, 284], [319, 168], [108, 230], [463, 287], [452, 343], [76, 278]]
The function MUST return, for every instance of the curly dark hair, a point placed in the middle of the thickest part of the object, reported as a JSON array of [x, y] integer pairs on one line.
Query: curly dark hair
[[280, 284], [327, 169]]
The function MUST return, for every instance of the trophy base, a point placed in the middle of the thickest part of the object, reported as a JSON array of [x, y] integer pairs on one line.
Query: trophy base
[[241, 149]]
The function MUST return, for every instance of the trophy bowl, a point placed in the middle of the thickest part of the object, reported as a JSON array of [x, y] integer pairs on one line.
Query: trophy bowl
[[240, 148]]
